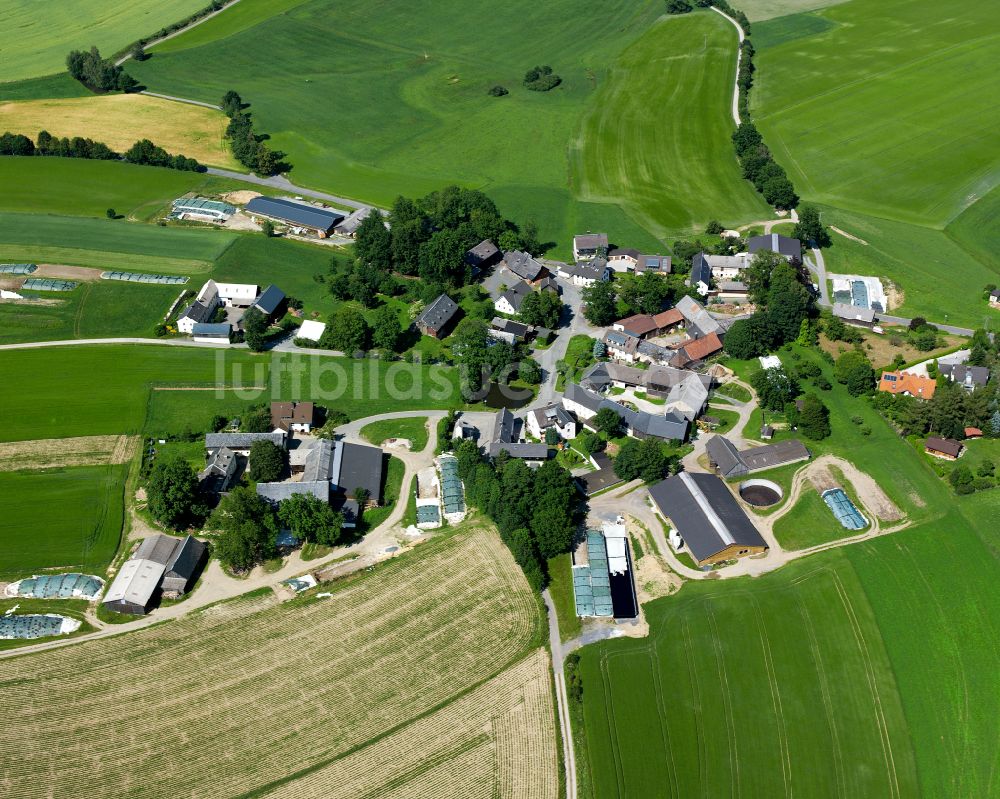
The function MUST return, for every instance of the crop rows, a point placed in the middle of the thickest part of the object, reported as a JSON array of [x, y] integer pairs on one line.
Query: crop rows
[[498, 740], [230, 702]]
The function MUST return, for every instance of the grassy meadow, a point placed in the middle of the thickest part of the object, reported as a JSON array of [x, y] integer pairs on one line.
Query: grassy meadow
[[414, 429], [120, 120], [35, 38], [61, 518], [656, 137]]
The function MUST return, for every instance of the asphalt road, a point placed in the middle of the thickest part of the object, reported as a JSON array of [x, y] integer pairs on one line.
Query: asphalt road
[[283, 183]]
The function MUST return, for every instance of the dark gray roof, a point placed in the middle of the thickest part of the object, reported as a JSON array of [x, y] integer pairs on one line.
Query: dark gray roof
[[525, 451], [198, 312], [157, 548], [518, 329], [186, 558], [669, 426], [774, 455], [293, 212], [438, 314], [350, 225], [963, 373], [515, 294], [724, 455], [654, 263], [775, 242], [270, 300], [628, 252], [522, 264], [588, 270], [946, 446], [705, 513], [279, 492], [581, 396], [505, 427], [220, 329], [701, 270], [323, 461], [853, 312], [242, 440], [553, 413], [362, 467], [484, 252]]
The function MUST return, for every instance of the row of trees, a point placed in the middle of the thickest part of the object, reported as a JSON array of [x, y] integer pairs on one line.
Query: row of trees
[[142, 152], [535, 511], [247, 146], [99, 74], [760, 168]]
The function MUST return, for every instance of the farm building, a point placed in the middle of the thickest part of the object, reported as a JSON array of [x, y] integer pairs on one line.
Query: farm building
[[946, 448], [240, 443], [219, 471], [299, 217], [57, 586], [311, 330], [350, 224], [293, 416], [638, 325], [523, 265], [699, 322], [693, 352], [907, 384], [995, 298], [510, 301], [733, 291], [657, 380], [730, 462], [553, 416], [332, 471], [452, 490], [134, 587], [143, 277], [211, 333], [507, 438], [604, 477], [853, 315], [586, 403], [623, 599], [700, 277], [437, 319], [659, 264], [213, 295], [586, 273], [726, 267], [508, 330], [272, 303], [201, 208], [790, 249], [706, 517], [623, 259], [589, 246], [181, 559], [483, 255]]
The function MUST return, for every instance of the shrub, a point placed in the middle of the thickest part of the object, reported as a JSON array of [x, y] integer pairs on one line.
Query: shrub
[[498, 91], [541, 79], [678, 6]]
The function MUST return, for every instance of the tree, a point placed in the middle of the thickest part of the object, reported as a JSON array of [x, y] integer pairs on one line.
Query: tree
[[749, 338], [589, 443], [267, 461], [814, 418], [541, 79], [232, 103], [541, 308], [172, 492], [138, 52], [387, 332], [551, 436], [810, 227], [775, 388], [779, 192], [311, 519], [678, 6], [961, 480], [255, 330], [553, 530], [600, 348], [643, 459], [789, 303], [599, 299], [346, 330], [248, 529], [442, 258], [267, 228], [854, 370], [608, 422], [256, 420], [529, 371], [111, 213], [714, 228], [373, 243], [986, 469], [746, 137], [498, 91]]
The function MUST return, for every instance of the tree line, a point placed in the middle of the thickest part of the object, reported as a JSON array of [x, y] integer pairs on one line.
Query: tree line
[[142, 152], [139, 44], [247, 146], [99, 74]]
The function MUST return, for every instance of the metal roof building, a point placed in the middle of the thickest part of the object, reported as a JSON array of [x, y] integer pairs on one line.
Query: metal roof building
[[295, 214], [270, 301], [202, 207], [134, 586], [730, 462]]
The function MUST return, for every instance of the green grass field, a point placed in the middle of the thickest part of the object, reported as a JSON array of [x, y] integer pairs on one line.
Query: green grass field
[[810, 522], [109, 244], [656, 136], [35, 39], [414, 429], [861, 114], [61, 518]]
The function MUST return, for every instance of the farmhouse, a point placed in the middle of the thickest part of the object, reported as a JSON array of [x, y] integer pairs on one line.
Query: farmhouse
[[638, 424], [638, 325], [945, 448], [586, 273], [299, 217], [725, 267], [483, 255], [350, 224], [523, 265], [240, 443], [968, 377], [508, 330], [790, 249], [853, 315], [292, 416], [700, 277], [699, 322], [622, 346], [507, 438], [219, 471], [907, 384], [995, 298], [590, 246], [706, 517], [201, 208], [656, 381], [510, 301], [437, 318], [552, 416], [729, 462]]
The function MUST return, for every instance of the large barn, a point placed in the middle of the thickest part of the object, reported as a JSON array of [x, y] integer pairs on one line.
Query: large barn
[[301, 218]]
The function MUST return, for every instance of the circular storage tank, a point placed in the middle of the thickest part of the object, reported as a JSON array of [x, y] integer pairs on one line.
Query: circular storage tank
[[761, 493]]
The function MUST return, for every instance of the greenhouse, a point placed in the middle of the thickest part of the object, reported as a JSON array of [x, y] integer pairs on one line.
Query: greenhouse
[[452, 491], [848, 515], [139, 277], [36, 625], [48, 284], [57, 586], [17, 269], [591, 581]]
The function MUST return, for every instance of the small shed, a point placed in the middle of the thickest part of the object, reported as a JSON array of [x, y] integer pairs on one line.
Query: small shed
[[946, 448]]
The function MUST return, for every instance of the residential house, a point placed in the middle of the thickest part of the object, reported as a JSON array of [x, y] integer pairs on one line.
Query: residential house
[[706, 518], [729, 462], [508, 330], [700, 278], [292, 416], [790, 249], [585, 403], [656, 381], [589, 246], [202, 310], [658, 264], [968, 377], [620, 345], [907, 384], [853, 315], [638, 325], [510, 301], [586, 273], [553, 416], [507, 438], [482, 256], [523, 265], [350, 224], [437, 319], [219, 472], [726, 267], [995, 298], [947, 448]]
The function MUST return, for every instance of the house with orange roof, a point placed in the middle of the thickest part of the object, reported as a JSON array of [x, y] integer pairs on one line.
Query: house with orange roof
[[908, 384]]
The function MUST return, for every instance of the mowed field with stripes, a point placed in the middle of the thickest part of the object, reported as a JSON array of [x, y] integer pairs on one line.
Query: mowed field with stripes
[[858, 672]]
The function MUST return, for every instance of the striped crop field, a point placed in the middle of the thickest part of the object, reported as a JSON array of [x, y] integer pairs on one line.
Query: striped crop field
[[423, 678]]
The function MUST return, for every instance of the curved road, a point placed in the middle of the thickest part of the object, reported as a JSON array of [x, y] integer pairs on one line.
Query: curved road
[[178, 32], [739, 57]]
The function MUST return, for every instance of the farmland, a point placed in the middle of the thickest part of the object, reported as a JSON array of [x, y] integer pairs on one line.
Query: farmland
[[35, 41], [70, 517], [451, 698], [120, 120], [672, 169]]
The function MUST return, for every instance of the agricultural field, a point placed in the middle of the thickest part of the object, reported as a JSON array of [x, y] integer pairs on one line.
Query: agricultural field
[[452, 697], [109, 244], [35, 40], [63, 452], [672, 169], [68, 518], [414, 429], [75, 187], [120, 120], [758, 10]]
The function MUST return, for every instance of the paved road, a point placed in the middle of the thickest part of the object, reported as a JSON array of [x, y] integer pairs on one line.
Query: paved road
[[283, 183], [185, 29], [739, 56]]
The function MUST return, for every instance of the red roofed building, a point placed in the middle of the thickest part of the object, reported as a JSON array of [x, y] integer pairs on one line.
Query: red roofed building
[[908, 384]]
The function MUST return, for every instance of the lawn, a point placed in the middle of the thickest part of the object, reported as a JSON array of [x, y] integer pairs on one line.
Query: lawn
[[883, 349], [672, 168], [858, 101], [35, 41], [378, 101], [414, 429], [811, 521], [727, 418], [734, 391], [563, 597], [120, 120], [68, 518], [445, 643], [109, 244]]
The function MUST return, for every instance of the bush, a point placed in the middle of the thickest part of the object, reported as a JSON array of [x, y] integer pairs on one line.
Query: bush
[[982, 483], [541, 79], [498, 91], [678, 6]]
